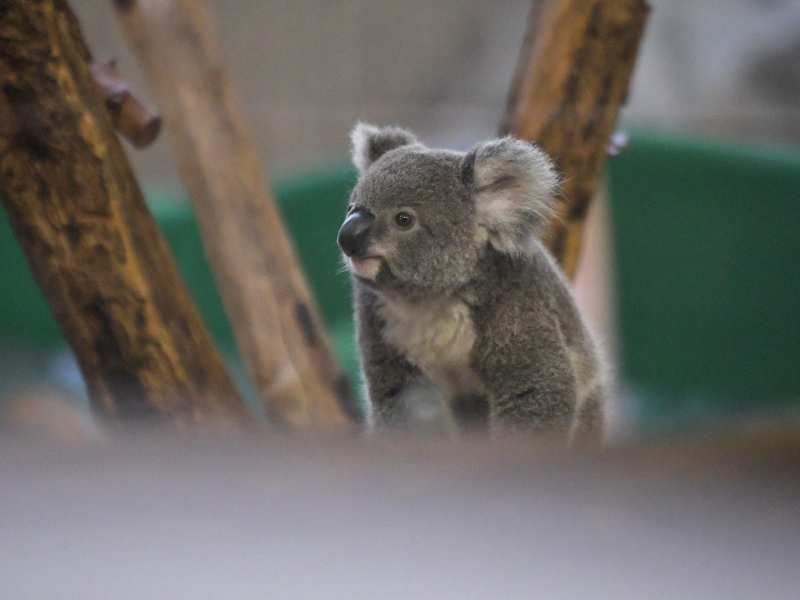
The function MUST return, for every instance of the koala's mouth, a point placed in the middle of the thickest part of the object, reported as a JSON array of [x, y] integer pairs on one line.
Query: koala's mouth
[[366, 267]]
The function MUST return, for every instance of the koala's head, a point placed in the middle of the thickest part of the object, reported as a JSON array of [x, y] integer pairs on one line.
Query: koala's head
[[419, 219]]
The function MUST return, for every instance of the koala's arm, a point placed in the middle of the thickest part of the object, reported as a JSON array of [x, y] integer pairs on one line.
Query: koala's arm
[[526, 367], [386, 372]]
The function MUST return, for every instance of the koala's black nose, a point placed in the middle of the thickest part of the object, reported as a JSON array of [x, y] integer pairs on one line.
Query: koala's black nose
[[354, 232]]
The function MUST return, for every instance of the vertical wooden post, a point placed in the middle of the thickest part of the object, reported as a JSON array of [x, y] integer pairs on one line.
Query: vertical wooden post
[[277, 325], [93, 246], [571, 81]]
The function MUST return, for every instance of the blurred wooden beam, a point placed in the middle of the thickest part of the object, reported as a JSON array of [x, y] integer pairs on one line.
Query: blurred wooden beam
[[277, 325], [510, 116], [571, 80], [89, 238]]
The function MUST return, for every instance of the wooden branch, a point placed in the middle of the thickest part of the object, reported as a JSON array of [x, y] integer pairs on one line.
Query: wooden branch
[[93, 246], [276, 323], [133, 118], [510, 116], [572, 78]]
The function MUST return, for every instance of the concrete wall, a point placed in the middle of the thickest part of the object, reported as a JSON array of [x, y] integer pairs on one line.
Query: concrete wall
[[307, 70]]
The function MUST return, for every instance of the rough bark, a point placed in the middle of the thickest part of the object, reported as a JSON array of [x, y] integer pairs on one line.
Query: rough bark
[[93, 246], [510, 116], [277, 325], [571, 81]]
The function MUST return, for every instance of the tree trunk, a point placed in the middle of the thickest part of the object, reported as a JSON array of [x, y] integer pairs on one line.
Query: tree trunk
[[278, 329], [571, 80], [510, 116], [93, 246]]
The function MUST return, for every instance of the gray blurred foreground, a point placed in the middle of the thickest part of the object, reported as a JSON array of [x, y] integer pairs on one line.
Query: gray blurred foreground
[[151, 518]]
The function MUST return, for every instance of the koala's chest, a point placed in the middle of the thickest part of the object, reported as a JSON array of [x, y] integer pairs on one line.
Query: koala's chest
[[436, 337]]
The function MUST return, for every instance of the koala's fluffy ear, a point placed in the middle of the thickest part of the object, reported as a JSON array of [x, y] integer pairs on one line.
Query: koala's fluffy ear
[[512, 184], [370, 143]]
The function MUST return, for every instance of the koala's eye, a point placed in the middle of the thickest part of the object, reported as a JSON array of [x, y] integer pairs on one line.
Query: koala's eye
[[404, 220], [350, 207]]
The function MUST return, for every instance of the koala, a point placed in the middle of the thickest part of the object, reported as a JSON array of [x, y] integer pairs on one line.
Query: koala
[[456, 300]]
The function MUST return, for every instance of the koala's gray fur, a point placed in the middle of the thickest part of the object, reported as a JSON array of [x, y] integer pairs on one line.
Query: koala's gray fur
[[466, 303]]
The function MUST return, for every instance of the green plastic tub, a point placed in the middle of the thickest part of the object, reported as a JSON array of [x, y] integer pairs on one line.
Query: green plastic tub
[[707, 245]]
